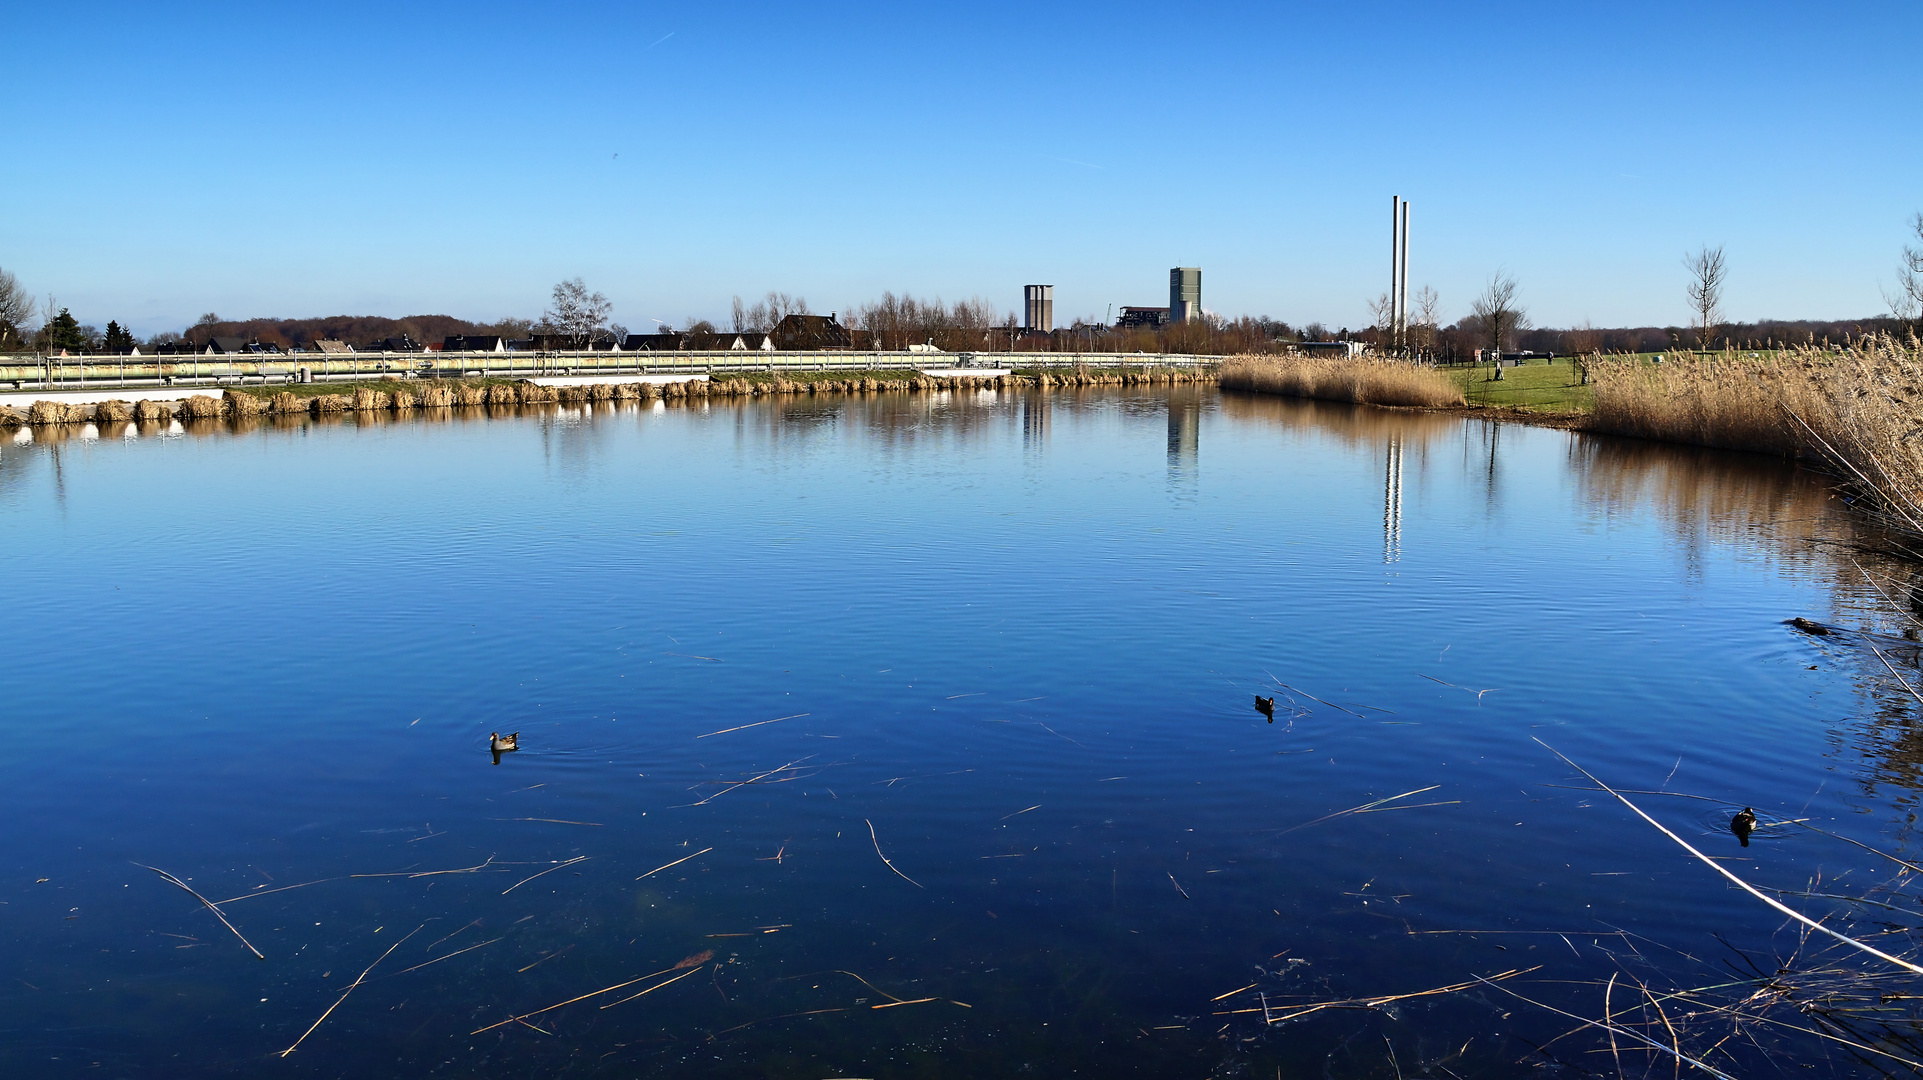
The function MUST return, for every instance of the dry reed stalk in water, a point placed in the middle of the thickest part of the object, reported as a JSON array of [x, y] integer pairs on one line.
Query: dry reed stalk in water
[[884, 858], [1379, 1000], [349, 990], [210, 907], [677, 862], [652, 989], [570, 1001], [757, 723], [549, 870], [1614, 1029], [1739, 882]]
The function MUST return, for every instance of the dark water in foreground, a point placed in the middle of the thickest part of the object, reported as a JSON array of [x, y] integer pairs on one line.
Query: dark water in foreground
[[1013, 641]]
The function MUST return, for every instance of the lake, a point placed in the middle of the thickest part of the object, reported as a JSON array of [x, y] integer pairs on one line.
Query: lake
[[902, 735]]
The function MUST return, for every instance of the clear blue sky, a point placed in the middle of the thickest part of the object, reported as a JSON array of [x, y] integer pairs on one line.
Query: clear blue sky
[[297, 159]]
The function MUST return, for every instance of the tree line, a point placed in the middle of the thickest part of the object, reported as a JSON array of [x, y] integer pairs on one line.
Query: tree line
[[1497, 322]]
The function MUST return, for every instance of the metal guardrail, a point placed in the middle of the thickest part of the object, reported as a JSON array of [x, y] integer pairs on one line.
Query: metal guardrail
[[74, 373]]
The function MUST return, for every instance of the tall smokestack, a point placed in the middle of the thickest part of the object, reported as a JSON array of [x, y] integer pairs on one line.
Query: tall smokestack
[[1402, 304], [1395, 261]]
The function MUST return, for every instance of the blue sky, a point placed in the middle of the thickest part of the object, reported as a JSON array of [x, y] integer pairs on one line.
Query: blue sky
[[348, 158]]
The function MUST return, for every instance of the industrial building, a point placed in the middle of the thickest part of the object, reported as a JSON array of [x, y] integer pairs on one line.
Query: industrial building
[[1184, 293], [1038, 308]]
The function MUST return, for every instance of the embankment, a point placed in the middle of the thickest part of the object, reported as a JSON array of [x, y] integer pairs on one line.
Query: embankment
[[395, 395]]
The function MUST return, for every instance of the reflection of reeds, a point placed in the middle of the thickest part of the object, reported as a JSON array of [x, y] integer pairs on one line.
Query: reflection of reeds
[[1359, 381], [1853, 409]]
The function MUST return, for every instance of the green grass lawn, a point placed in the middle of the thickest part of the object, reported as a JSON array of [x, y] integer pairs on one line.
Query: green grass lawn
[[1537, 386]]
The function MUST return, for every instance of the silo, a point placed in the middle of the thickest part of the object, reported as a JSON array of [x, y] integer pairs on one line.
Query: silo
[[1038, 307], [1184, 293]]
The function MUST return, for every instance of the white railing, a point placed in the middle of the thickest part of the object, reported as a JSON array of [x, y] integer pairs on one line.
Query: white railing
[[42, 372]]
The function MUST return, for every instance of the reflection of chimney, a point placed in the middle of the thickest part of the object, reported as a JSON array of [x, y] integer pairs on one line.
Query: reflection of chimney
[[1392, 501]]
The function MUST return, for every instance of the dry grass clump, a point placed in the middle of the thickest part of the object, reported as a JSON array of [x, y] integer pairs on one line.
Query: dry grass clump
[[111, 412], [366, 400], [198, 407], [329, 403], [151, 410], [1361, 381], [1853, 409], [469, 395], [240, 404]]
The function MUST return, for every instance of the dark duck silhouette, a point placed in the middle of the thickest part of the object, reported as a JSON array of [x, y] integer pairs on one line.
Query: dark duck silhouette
[[503, 744], [1743, 824], [1265, 706]]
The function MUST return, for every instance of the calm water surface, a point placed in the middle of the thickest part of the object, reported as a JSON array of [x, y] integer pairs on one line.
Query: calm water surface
[[939, 699]]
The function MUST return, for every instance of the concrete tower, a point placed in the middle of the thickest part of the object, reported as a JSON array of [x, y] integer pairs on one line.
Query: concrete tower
[[1184, 293], [1038, 307]]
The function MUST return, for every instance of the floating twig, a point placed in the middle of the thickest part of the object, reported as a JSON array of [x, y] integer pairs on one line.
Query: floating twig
[[570, 1001], [1177, 884], [1739, 882], [1615, 1029], [757, 723], [549, 870], [677, 862], [1370, 1002], [549, 820], [1369, 806], [438, 959], [1312, 697], [264, 892], [695, 970], [210, 907], [884, 858], [349, 990]]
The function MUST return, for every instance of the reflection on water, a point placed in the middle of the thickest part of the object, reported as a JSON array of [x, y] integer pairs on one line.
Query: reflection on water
[[933, 702]]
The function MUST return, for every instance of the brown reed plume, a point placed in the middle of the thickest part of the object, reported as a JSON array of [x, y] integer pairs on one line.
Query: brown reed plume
[[1365, 381], [1851, 410]]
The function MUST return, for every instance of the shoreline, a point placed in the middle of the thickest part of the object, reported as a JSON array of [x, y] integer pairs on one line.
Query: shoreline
[[398, 396]]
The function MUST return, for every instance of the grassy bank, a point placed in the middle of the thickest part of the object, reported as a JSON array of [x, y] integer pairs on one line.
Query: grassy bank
[[1554, 386]]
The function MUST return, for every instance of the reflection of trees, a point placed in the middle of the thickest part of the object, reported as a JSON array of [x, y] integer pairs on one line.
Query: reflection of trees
[[1790, 518]]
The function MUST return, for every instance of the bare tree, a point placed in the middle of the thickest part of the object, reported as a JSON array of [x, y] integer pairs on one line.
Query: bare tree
[[576, 312], [1907, 303], [1428, 315], [1707, 272], [740, 314], [1382, 319], [16, 307], [1499, 312], [1584, 343]]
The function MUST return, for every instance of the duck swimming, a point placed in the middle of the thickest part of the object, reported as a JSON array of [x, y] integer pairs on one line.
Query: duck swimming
[[1743, 824], [1265, 706], [499, 742]]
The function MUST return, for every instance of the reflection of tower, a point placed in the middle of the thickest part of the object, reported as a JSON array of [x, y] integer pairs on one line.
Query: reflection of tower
[[1392, 501], [1034, 421], [1184, 428]]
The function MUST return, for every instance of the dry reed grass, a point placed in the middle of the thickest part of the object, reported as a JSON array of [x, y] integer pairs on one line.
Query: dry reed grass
[[241, 405], [1853, 410], [198, 407], [149, 411], [1362, 381], [111, 412]]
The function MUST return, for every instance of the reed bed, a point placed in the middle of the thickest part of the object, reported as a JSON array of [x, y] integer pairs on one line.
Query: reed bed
[[1853, 411], [1362, 382]]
